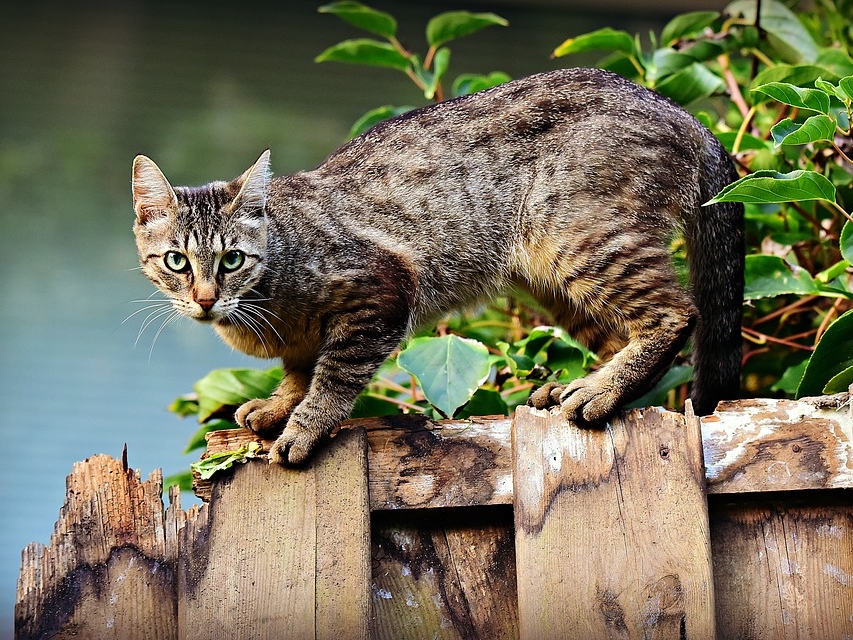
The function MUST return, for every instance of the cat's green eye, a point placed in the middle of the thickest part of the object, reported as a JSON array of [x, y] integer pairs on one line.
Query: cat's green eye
[[231, 260], [176, 262]]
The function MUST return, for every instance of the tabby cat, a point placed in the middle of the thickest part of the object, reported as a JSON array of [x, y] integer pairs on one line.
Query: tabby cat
[[569, 185]]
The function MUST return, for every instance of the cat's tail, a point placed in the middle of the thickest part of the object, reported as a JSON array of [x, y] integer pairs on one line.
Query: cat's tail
[[716, 250]]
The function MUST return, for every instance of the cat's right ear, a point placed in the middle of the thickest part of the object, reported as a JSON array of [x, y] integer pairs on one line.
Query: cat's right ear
[[153, 196]]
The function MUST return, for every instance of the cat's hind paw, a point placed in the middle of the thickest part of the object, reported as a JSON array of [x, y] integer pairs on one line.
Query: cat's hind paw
[[546, 396]]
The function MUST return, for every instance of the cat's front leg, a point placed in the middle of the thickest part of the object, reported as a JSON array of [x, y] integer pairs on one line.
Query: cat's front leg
[[267, 416]]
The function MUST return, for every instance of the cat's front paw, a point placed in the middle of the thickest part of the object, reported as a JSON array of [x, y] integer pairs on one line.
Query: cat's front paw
[[264, 417], [588, 401], [295, 445]]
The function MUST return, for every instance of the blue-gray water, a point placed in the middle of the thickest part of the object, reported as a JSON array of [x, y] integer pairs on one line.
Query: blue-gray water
[[202, 88]]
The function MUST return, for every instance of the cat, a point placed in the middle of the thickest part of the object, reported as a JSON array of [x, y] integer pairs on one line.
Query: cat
[[569, 185]]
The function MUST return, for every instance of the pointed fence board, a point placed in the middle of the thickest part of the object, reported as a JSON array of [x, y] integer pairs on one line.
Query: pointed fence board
[[109, 570], [612, 536]]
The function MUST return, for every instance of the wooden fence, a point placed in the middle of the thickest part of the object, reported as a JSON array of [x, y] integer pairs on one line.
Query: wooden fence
[[736, 525]]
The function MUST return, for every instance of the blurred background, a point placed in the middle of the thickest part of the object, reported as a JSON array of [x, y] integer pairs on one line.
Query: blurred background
[[202, 88]]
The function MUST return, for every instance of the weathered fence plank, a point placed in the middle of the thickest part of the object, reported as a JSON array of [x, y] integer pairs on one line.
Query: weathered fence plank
[[612, 534], [285, 552], [109, 570], [447, 574], [783, 567], [802, 444], [772, 445]]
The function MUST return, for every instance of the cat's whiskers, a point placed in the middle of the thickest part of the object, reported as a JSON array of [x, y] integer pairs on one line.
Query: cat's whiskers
[[257, 311], [250, 323], [167, 310], [158, 304], [170, 318]]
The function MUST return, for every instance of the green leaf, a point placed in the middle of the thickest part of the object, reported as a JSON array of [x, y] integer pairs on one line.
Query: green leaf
[[455, 24], [771, 186], [831, 273], [363, 17], [846, 241], [686, 24], [471, 83], [223, 388], [747, 141], [846, 85], [485, 402], [604, 39], [449, 369], [819, 127], [798, 75], [374, 117], [786, 33], [185, 406], [787, 93], [371, 405], [440, 63], [769, 276], [198, 439], [665, 62], [832, 356], [836, 62], [676, 376], [840, 382], [690, 84], [216, 462], [790, 380], [365, 51], [184, 480]]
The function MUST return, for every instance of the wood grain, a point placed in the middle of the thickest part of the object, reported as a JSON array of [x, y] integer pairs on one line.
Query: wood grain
[[749, 445], [773, 445], [283, 553], [447, 574], [109, 569], [611, 527], [783, 568]]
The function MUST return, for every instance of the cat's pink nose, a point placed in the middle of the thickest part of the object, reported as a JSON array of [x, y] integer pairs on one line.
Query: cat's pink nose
[[206, 304]]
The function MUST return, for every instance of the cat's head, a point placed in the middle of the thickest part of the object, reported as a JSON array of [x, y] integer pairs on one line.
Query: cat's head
[[204, 247]]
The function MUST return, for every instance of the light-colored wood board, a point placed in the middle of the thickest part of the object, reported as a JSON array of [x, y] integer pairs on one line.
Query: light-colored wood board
[[248, 567], [779, 445], [108, 571], [343, 540], [447, 574], [611, 529], [783, 571]]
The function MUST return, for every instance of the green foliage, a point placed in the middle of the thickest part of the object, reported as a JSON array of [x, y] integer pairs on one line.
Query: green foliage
[[777, 89], [427, 73]]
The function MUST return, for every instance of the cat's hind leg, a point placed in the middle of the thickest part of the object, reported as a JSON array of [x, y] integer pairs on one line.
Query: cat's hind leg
[[644, 316]]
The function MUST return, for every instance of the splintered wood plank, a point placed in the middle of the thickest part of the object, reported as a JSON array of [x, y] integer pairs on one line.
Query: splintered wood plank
[[262, 560], [109, 569], [444, 574], [783, 568], [775, 445], [611, 528]]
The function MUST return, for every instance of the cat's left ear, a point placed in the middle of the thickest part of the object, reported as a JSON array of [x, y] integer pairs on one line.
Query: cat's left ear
[[153, 196], [253, 186]]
